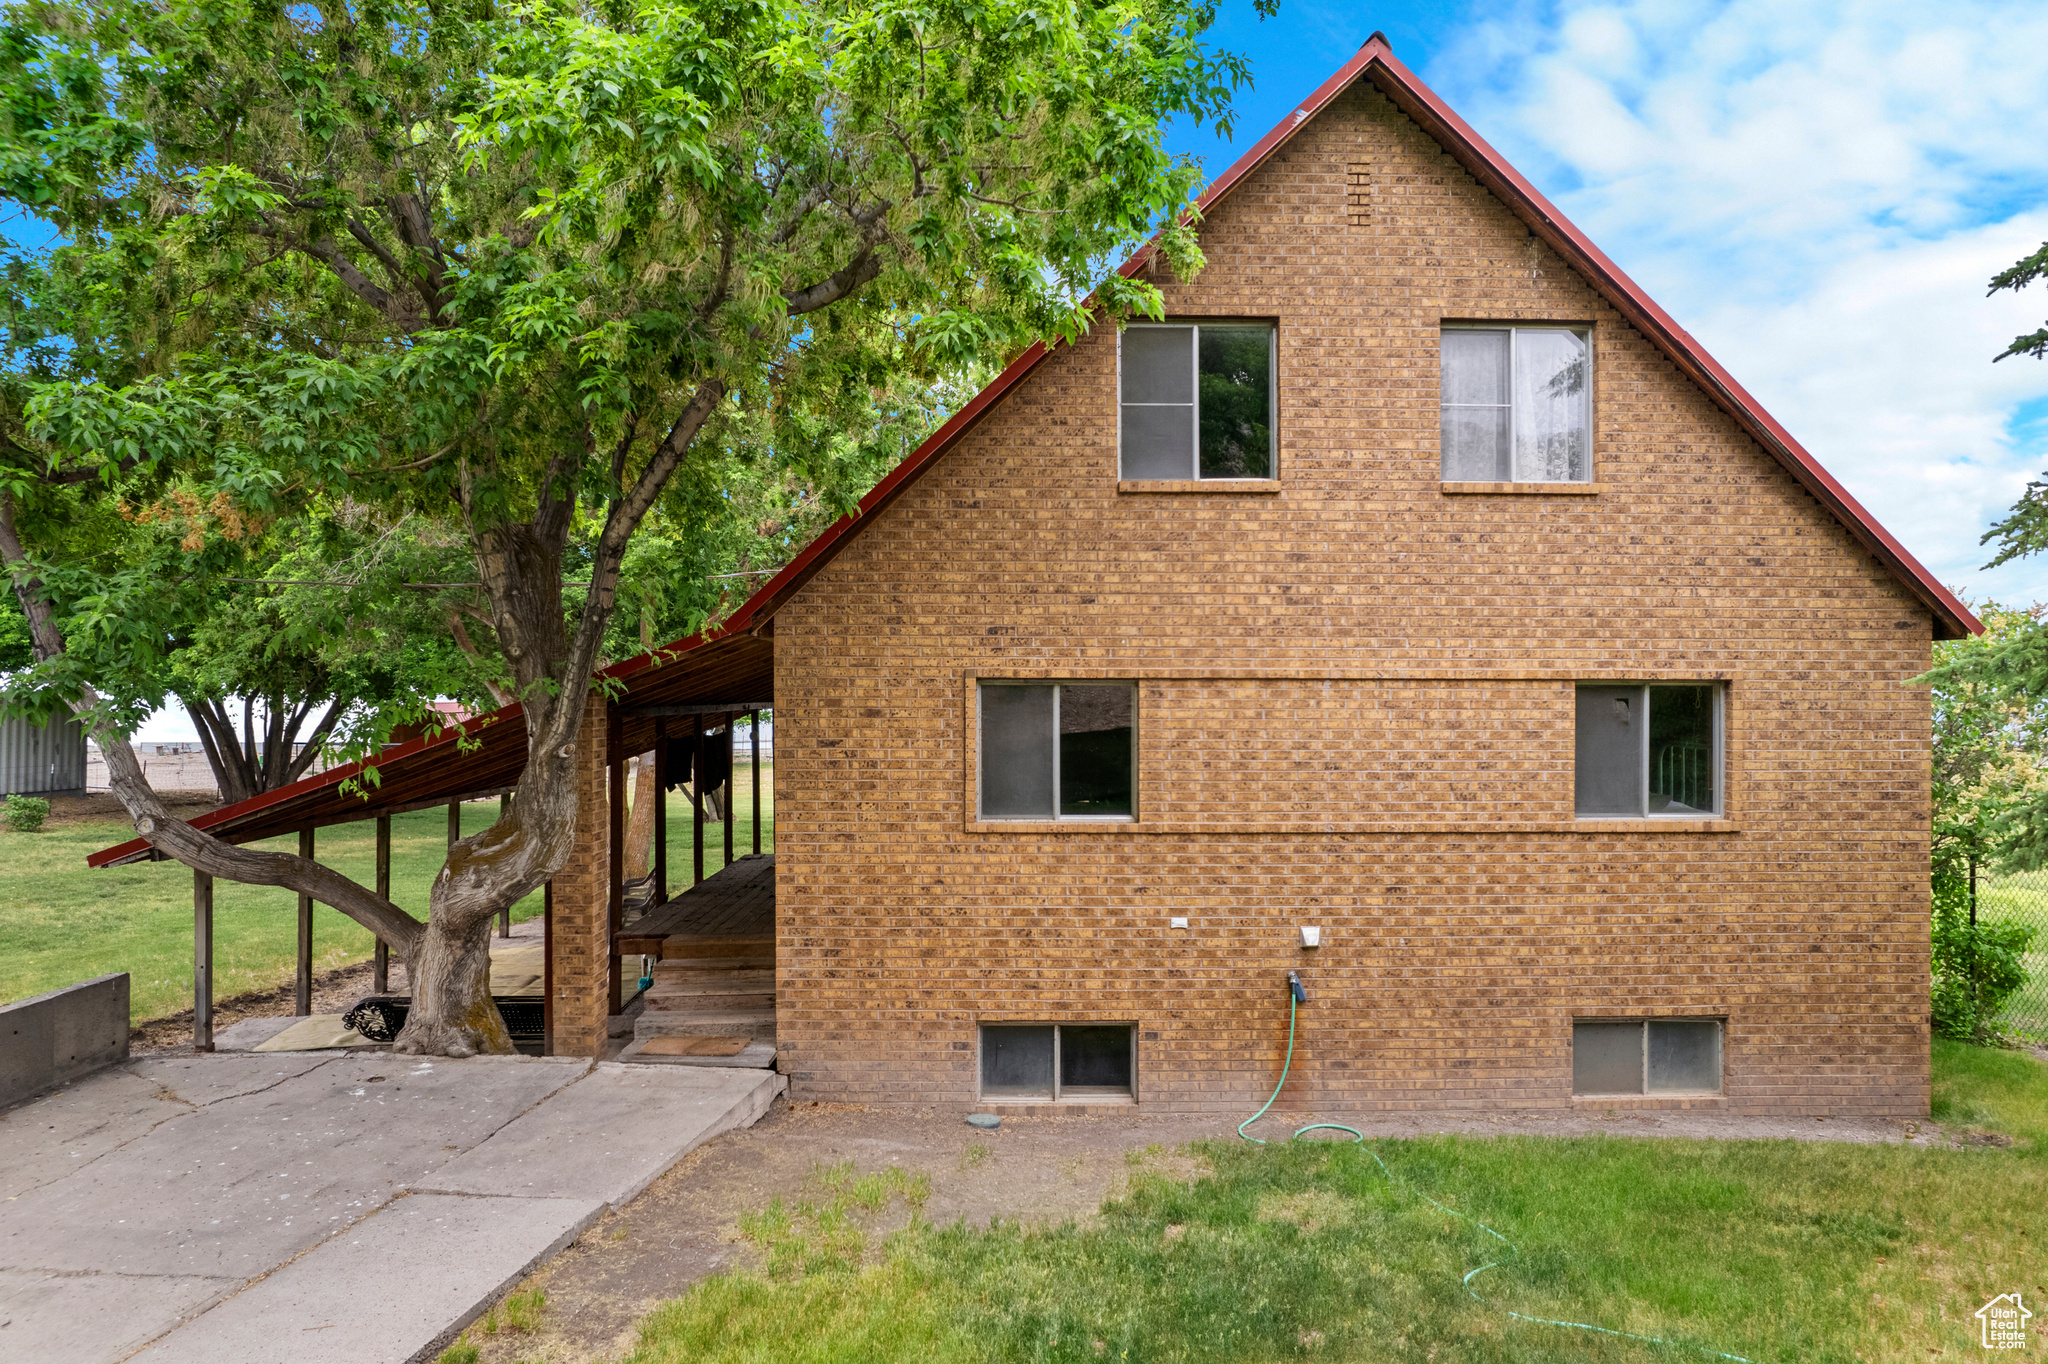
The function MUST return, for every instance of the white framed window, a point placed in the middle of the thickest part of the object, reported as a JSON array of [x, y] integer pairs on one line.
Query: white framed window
[[1648, 751], [1054, 1061], [1057, 750], [1517, 404], [1646, 1055], [1196, 400]]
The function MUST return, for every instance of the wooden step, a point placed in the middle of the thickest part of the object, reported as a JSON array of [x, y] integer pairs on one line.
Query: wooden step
[[702, 1001], [758, 1024], [678, 974], [686, 949], [709, 967]]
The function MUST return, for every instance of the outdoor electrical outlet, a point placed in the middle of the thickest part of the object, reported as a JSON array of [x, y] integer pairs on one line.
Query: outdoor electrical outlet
[[1311, 936], [1176, 923]]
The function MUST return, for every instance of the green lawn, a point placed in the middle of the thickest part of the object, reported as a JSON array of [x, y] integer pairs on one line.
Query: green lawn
[[62, 922], [1761, 1250]]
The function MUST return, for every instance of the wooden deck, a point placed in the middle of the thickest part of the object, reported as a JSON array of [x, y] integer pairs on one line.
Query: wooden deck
[[735, 904]]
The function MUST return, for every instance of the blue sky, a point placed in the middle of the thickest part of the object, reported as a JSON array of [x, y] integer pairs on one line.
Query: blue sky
[[1817, 191]]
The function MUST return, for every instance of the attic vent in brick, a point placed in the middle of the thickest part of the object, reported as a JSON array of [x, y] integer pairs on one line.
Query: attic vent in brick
[[1358, 193]]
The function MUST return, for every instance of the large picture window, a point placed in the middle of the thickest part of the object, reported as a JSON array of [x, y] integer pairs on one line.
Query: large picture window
[[1516, 405], [1646, 1056], [1197, 400], [1649, 751], [1057, 750]]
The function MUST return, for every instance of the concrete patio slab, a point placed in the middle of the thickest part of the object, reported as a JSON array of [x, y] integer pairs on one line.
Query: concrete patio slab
[[248, 1034], [83, 1318], [399, 1286], [316, 1032], [240, 1185], [612, 1135], [63, 1131], [226, 1207]]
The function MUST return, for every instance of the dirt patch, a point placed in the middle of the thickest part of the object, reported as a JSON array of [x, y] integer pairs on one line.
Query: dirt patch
[[101, 806], [1031, 1169], [1976, 1136]]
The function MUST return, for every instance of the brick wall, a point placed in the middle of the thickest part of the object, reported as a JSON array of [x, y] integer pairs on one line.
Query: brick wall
[[1417, 649], [580, 917]]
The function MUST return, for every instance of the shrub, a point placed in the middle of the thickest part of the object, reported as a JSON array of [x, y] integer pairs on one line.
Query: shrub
[[1976, 969], [25, 814]]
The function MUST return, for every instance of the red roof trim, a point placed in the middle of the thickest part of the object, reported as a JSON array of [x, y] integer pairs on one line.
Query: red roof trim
[[1374, 60], [333, 776]]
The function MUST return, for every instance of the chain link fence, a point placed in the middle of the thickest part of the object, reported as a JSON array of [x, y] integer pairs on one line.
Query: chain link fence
[[2022, 898]]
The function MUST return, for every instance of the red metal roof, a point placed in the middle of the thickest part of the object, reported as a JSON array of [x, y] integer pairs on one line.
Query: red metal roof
[[648, 677]]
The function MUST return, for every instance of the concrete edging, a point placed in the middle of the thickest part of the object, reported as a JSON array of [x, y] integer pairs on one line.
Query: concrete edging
[[50, 1039]]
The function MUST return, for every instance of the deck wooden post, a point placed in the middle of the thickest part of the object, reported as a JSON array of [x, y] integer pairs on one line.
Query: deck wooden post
[[697, 803], [661, 811], [615, 904], [454, 822], [202, 961], [505, 914], [380, 963], [729, 802], [754, 732], [547, 968], [304, 1000]]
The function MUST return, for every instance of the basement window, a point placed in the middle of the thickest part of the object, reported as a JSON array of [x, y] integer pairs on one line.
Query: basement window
[[1197, 401], [1648, 751], [1646, 1056], [1515, 405], [1057, 750], [1053, 1061]]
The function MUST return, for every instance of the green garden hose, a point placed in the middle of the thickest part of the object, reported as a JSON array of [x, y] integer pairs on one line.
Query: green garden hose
[[1514, 1251]]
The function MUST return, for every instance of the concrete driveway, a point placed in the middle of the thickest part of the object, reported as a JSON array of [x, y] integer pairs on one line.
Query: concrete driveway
[[305, 1207]]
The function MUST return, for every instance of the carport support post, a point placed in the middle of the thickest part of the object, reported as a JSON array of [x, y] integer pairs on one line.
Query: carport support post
[[615, 878], [661, 812], [202, 961], [380, 964], [697, 802], [754, 735], [505, 914], [729, 802], [304, 1001]]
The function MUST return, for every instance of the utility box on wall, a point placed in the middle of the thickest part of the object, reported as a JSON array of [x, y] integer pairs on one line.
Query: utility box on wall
[[42, 760]]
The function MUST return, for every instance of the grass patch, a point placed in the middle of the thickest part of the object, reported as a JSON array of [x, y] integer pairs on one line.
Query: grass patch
[[1767, 1250], [62, 922]]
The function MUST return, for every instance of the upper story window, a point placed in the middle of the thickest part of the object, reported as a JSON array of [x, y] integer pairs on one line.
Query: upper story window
[[1516, 405], [1648, 751], [1197, 400], [1057, 750]]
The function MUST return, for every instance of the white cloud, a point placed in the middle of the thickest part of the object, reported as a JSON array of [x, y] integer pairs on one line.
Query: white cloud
[[1819, 194]]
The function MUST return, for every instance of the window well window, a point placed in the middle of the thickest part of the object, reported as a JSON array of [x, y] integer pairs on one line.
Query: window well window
[[1057, 750], [1646, 1056], [1648, 751], [1056, 1061], [1515, 405], [1197, 400]]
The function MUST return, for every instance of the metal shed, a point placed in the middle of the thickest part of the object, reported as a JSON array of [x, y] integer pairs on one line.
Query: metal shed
[[42, 760]]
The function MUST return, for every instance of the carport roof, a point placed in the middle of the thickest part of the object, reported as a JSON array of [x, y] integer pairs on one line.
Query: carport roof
[[486, 755]]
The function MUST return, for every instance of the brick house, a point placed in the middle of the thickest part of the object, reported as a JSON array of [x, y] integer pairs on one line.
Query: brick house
[[1416, 581]]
